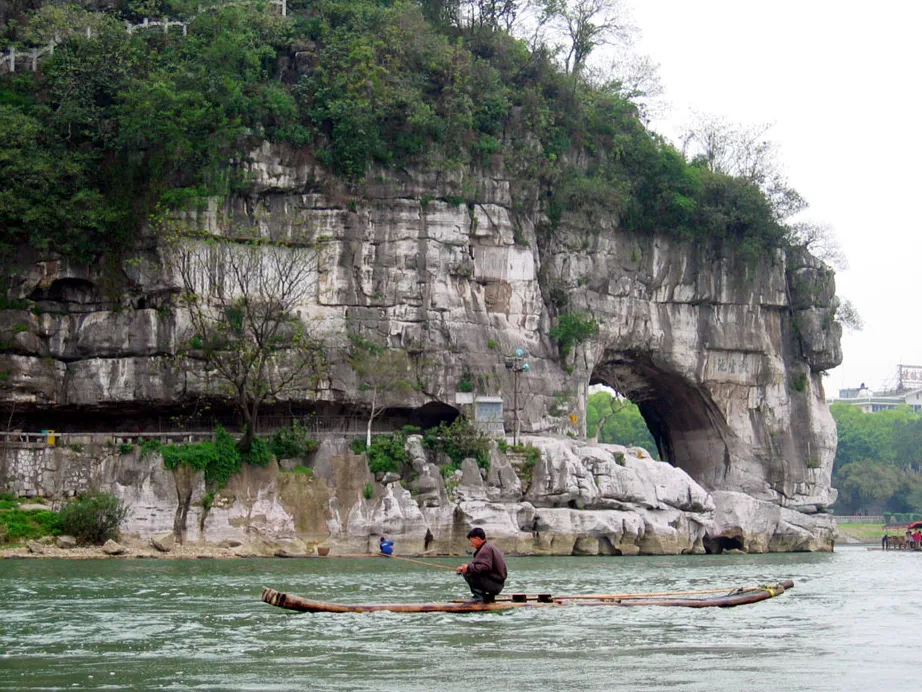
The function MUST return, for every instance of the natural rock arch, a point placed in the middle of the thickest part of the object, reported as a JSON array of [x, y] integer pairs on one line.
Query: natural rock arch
[[685, 422]]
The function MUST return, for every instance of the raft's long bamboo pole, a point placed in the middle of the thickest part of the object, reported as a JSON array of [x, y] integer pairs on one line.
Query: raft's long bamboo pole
[[787, 584], [733, 598], [614, 596]]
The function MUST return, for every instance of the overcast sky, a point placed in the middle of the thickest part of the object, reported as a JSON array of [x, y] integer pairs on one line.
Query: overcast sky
[[840, 83]]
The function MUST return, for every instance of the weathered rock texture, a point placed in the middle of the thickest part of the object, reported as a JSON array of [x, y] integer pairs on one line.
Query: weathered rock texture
[[577, 499], [723, 356]]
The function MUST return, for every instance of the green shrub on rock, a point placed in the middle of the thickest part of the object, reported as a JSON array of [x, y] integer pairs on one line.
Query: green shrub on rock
[[219, 459], [93, 518], [288, 443], [259, 453], [387, 453], [571, 329], [459, 441]]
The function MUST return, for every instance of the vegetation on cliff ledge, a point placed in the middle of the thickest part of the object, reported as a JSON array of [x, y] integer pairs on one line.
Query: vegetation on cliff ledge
[[117, 125]]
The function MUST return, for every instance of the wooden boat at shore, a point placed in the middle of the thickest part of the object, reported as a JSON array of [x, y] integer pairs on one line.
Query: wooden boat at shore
[[714, 598]]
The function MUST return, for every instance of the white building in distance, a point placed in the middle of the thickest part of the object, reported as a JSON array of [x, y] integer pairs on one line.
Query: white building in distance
[[908, 392]]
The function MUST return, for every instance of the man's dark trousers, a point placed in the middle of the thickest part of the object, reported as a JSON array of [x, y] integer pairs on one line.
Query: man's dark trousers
[[483, 588]]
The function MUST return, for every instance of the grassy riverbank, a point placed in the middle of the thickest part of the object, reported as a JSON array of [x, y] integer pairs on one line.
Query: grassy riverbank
[[866, 533]]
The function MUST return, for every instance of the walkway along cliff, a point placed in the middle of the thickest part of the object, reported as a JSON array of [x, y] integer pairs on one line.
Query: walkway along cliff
[[723, 356]]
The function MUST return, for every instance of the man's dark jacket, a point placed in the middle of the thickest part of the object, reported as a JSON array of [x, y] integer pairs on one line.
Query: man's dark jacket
[[488, 562]]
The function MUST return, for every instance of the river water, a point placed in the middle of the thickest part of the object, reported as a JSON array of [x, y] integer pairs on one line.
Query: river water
[[852, 622]]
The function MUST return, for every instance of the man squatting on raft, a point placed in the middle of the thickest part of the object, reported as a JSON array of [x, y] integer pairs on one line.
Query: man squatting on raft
[[486, 573]]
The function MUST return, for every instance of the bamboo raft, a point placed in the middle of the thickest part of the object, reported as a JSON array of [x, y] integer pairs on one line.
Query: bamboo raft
[[715, 598]]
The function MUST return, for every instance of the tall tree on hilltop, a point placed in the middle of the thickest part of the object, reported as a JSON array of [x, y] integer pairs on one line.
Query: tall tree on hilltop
[[582, 26], [476, 14], [242, 302], [742, 151]]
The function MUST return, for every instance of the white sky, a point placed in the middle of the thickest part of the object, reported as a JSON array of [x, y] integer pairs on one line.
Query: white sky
[[840, 82]]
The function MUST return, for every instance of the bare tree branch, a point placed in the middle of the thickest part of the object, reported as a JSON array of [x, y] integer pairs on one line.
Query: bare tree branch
[[847, 315], [632, 76], [820, 241], [242, 303], [573, 29], [743, 151]]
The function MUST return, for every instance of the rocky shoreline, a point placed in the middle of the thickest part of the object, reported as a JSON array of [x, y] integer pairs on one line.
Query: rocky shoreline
[[571, 498], [137, 548], [129, 548]]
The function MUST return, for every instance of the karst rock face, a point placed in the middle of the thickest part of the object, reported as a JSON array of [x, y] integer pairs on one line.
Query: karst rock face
[[723, 355]]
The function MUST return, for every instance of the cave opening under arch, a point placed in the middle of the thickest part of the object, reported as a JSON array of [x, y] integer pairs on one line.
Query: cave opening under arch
[[687, 427]]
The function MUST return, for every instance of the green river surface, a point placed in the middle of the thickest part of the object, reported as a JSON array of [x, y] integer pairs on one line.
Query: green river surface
[[852, 622]]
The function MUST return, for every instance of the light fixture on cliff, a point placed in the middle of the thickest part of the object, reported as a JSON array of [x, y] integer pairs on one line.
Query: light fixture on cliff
[[516, 363]]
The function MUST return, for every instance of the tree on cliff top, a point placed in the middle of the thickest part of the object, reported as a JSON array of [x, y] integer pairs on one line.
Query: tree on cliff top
[[742, 151], [399, 84], [242, 302], [585, 25]]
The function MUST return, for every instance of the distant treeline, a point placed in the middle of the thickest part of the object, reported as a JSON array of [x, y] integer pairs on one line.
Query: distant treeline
[[878, 461]]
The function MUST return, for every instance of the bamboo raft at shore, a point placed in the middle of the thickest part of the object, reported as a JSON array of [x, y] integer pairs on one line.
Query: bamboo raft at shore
[[714, 598]]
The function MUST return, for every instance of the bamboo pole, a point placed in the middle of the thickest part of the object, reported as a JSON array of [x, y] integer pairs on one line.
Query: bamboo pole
[[787, 584], [416, 562], [729, 600]]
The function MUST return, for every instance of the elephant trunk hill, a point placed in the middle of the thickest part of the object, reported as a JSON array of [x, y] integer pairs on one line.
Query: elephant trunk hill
[[723, 356]]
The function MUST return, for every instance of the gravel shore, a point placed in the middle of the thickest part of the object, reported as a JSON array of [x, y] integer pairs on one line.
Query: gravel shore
[[134, 548]]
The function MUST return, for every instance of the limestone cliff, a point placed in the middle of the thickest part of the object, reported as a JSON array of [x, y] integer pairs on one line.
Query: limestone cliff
[[723, 356], [577, 499]]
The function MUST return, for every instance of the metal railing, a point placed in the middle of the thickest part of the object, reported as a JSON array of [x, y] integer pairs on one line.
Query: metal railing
[[320, 429], [16, 56]]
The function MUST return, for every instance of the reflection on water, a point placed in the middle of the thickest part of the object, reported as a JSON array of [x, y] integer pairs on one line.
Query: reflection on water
[[851, 623]]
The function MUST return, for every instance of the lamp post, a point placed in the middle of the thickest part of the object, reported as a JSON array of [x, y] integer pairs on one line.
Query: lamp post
[[516, 363]]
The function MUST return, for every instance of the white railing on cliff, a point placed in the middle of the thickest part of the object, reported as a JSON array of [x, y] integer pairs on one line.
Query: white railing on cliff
[[10, 59], [317, 429], [147, 23], [860, 519], [32, 55]]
